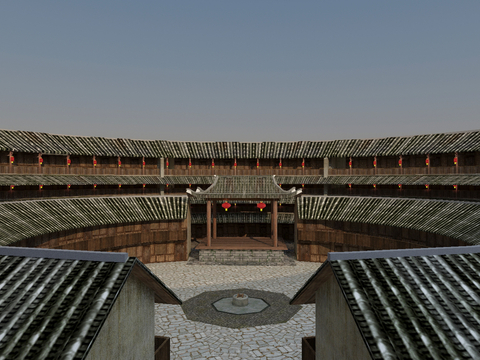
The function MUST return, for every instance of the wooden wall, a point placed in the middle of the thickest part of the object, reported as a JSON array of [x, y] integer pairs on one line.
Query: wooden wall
[[315, 239], [156, 241], [285, 231]]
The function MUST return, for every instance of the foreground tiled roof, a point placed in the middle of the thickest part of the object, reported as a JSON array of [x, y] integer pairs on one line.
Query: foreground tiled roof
[[24, 219], [27, 141], [53, 308], [412, 306], [457, 219], [244, 187]]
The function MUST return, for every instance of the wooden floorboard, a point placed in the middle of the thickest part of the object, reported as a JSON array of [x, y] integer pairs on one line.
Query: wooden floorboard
[[241, 243]]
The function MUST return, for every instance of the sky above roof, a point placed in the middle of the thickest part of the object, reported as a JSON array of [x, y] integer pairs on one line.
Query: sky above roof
[[240, 71]]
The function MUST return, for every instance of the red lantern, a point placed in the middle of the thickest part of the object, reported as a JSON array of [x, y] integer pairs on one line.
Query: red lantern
[[280, 185], [189, 164], [144, 185], [374, 163], [40, 161], [11, 159], [303, 164], [427, 186], [119, 163], [374, 186], [261, 206], [350, 163], [189, 185], [226, 206], [350, 186], [280, 164], [167, 185], [303, 185], [69, 162], [94, 162], [12, 187], [399, 186], [258, 164], [167, 164], [119, 185], [213, 164], [235, 164], [68, 186], [143, 164], [400, 162], [455, 187], [455, 159], [94, 186], [40, 187], [427, 161]]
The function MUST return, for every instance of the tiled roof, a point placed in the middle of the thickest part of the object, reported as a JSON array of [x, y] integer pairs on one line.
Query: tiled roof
[[412, 307], [244, 218], [457, 219], [54, 308], [244, 187], [27, 141], [460, 179], [19, 180], [24, 219]]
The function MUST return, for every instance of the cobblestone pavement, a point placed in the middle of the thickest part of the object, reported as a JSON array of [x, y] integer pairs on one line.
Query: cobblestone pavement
[[196, 340]]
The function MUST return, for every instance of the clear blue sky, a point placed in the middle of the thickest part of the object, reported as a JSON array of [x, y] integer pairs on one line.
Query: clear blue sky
[[240, 70]]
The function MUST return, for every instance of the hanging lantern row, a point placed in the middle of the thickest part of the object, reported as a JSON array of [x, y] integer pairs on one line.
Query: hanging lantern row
[[261, 206], [226, 206]]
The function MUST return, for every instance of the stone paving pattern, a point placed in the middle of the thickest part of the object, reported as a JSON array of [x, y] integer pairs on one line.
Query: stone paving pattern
[[197, 340]]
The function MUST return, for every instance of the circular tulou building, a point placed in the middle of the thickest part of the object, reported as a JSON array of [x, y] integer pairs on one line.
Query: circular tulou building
[[154, 198]]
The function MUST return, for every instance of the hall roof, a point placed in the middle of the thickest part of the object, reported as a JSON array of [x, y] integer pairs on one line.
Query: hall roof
[[244, 187], [54, 302], [36, 142], [415, 304]]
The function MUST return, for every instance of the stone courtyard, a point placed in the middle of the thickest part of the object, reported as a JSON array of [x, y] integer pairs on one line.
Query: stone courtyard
[[199, 340]]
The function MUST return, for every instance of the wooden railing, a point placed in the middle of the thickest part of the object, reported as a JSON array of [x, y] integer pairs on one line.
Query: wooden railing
[[162, 348], [308, 348]]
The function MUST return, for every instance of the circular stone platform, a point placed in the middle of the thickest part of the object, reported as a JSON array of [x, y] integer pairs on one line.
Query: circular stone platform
[[202, 308]]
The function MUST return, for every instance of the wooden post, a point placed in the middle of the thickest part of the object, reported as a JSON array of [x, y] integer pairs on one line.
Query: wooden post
[[209, 223], [143, 167], [39, 163], [274, 222], [10, 165], [428, 166], [214, 205], [456, 165]]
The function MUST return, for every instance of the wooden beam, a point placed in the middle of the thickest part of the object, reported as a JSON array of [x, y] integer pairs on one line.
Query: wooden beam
[[214, 205], [274, 222], [209, 225]]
